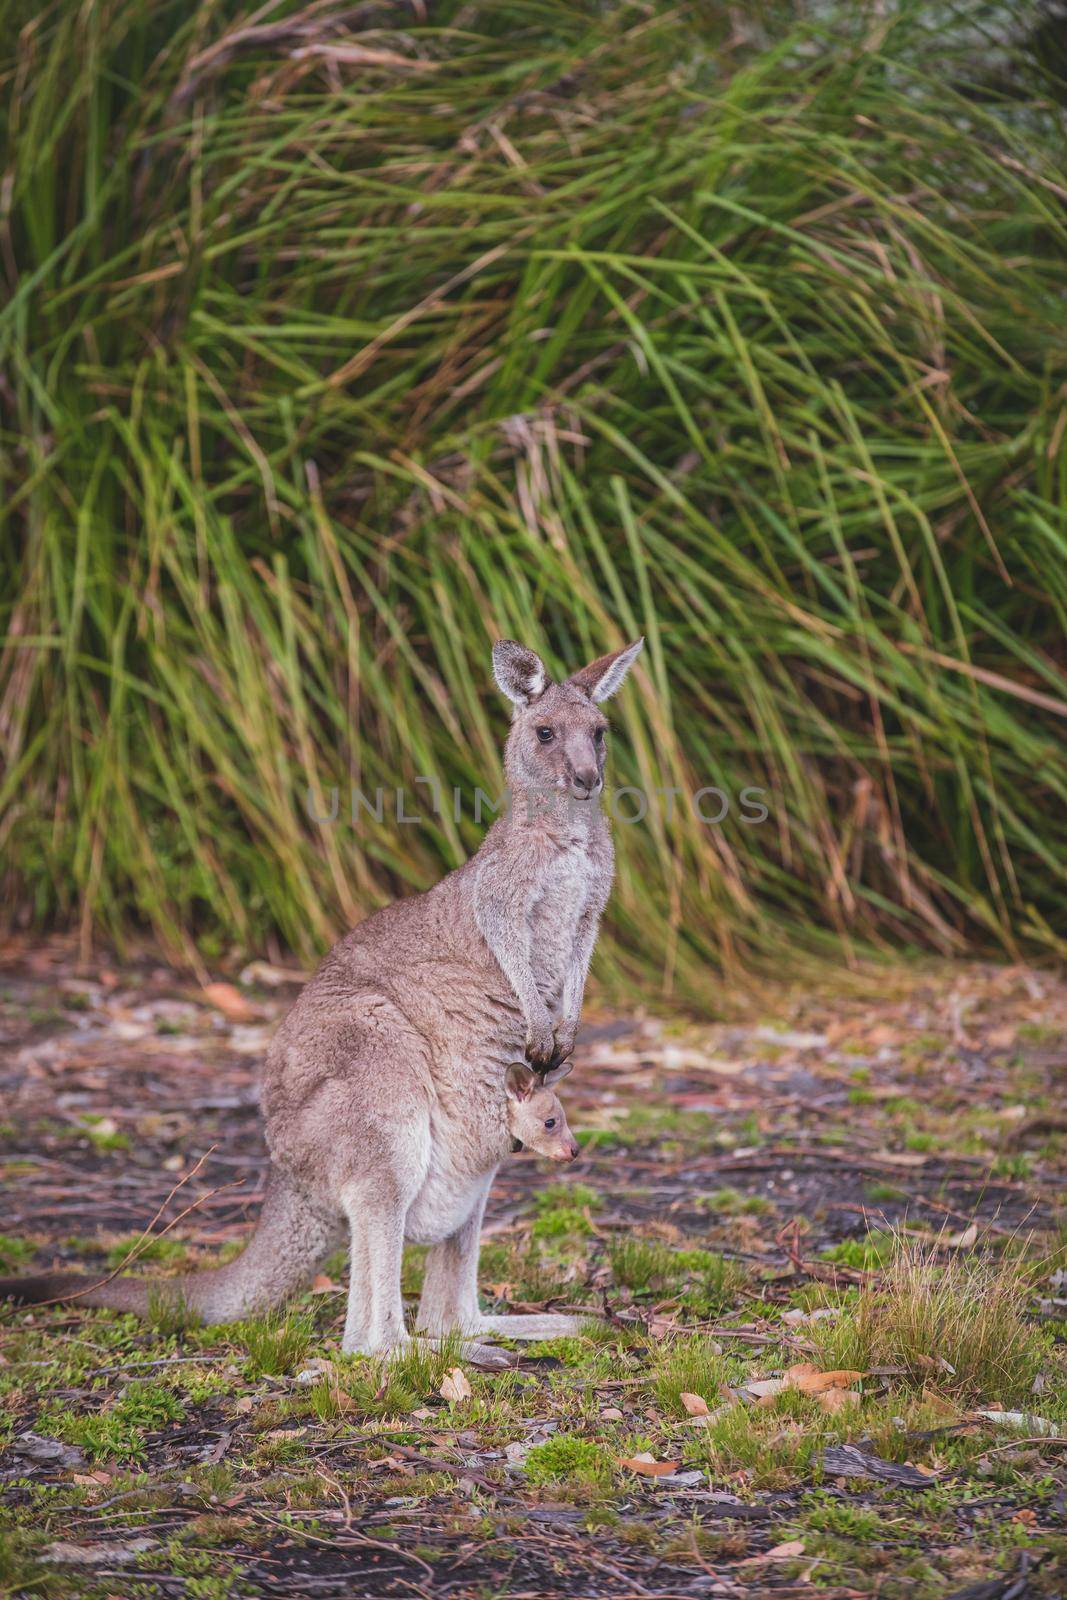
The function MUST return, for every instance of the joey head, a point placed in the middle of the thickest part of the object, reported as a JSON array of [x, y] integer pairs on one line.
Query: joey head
[[536, 1119], [401, 1076]]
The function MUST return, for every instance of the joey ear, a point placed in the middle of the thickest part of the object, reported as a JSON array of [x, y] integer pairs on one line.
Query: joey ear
[[603, 676], [519, 1081], [554, 1074], [519, 672]]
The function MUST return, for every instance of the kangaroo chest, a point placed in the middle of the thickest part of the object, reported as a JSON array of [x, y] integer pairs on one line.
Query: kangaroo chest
[[562, 898]]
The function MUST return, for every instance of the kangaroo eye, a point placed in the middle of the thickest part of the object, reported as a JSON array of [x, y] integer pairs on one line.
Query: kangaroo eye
[[598, 736], [545, 735], [550, 1122]]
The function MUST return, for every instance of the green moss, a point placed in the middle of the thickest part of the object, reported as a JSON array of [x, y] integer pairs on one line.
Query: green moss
[[103, 1135], [866, 1254], [731, 1202], [14, 1253], [576, 1195], [567, 1458], [559, 1222]]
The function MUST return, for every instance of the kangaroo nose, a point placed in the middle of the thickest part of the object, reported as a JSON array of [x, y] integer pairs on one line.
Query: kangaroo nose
[[587, 777], [574, 1149]]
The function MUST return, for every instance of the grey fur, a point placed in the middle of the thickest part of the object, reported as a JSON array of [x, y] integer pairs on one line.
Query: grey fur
[[390, 1093]]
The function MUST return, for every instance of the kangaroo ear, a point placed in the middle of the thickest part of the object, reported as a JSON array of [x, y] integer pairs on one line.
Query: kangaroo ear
[[519, 672], [554, 1074], [519, 1081], [603, 676]]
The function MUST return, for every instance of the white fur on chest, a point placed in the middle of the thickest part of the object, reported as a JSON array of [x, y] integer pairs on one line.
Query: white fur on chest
[[563, 896]]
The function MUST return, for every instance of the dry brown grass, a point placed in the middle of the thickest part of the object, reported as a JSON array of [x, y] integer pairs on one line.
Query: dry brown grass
[[954, 1322]]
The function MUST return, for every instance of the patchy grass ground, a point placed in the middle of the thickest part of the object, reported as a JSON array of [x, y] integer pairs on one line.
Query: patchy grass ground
[[820, 1250]]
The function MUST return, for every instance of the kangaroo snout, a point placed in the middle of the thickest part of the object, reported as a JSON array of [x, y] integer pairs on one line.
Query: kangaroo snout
[[586, 782]]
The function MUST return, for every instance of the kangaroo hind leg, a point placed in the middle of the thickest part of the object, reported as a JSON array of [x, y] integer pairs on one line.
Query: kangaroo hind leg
[[450, 1291]]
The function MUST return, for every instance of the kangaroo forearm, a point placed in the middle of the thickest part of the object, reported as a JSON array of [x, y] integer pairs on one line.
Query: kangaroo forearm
[[520, 976], [513, 960], [574, 986], [578, 971]]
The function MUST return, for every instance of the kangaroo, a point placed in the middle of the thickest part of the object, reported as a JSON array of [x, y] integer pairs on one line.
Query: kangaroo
[[394, 1086]]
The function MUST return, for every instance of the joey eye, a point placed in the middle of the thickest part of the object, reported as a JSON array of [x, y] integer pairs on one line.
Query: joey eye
[[545, 735], [550, 1122]]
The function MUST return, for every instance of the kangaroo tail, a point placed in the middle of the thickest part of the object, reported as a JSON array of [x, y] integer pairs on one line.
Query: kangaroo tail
[[289, 1243]]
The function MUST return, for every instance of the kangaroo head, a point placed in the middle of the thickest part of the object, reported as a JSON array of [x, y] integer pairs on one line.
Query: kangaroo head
[[536, 1119], [557, 739]]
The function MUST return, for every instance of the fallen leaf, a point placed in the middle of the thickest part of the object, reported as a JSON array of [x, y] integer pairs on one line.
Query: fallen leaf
[[680, 1480], [321, 1284], [233, 1005], [317, 1368], [91, 1480], [694, 1404], [611, 1414], [455, 1386], [764, 1390], [713, 1416], [810, 1380], [782, 1552], [965, 1240], [1022, 1421], [834, 1400], [244, 1404], [660, 1327], [648, 1465]]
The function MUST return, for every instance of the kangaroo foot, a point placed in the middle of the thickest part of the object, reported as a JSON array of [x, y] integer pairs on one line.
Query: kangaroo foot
[[537, 1325]]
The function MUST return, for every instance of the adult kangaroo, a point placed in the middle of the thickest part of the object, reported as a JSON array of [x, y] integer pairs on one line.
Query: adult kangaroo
[[385, 1089]]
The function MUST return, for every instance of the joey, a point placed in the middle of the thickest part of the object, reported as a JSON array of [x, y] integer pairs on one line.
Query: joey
[[536, 1119]]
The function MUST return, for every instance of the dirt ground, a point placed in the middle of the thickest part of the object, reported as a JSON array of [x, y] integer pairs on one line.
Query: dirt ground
[[746, 1195]]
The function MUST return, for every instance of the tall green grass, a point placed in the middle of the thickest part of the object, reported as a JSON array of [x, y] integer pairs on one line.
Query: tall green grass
[[570, 322]]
